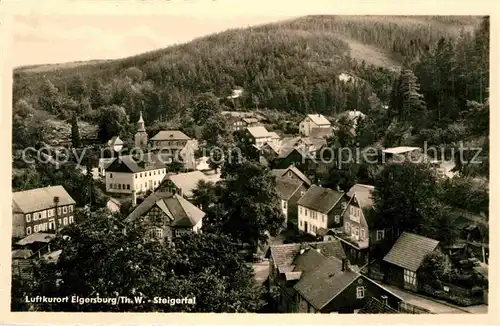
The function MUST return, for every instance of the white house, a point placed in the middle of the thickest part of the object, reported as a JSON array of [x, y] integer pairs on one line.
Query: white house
[[259, 135], [126, 174], [320, 208], [312, 121]]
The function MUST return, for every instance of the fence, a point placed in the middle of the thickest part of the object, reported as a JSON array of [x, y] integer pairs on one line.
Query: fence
[[407, 308]]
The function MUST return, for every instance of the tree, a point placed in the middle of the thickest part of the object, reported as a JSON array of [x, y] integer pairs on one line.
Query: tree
[[113, 122], [205, 106], [403, 196], [50, 101], [407, 104], [204, 194], [106, 257], [75, 133], [434, 267], [250, 201]]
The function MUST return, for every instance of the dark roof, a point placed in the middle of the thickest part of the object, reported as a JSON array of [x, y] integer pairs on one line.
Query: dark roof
[[170, 135], [38, 199], [363, 195], [284, 255], [178, 209], [374, 306], [287, 187], [320, 199], [300, 175], [147, 162], [409, 251], [323, 283]]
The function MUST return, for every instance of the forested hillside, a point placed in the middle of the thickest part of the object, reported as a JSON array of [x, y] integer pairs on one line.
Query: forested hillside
[[290, 66]]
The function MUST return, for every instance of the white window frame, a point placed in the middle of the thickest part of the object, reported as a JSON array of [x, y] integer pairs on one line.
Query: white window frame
[[35, 216], [360, 292], [35, 228], [58, 210], [65, 221], [348, 227], [52, 224], [65, 210], [410, 277], [28, 218], [337, 218], [70, 208], [362, 234], [380, 232], [43, 214], [28, 230], [71, 219]]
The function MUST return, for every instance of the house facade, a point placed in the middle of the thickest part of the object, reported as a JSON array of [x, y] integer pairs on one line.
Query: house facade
[[258, 135], [292, 173], [168, 215], [402, 262], [289, 191], [127, 174], [320, 209], [177, 145], [316, 278], [312, 121], [358, 233], [41, 210]]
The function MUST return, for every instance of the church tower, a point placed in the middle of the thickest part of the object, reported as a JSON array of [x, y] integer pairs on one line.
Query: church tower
[[141, 137]]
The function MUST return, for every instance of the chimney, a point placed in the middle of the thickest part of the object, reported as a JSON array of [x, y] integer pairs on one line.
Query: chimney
[[345, 264], [384, 299], [134, 198], [56, 200]]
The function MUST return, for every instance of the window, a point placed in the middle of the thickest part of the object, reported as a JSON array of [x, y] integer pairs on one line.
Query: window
[[128, 187], [35, 216], [136, 176], [322, 218], [140, 175], [145, 185], [300, 209], [380, 235], [302, 193], [347, 227], [36, 228], [65, 221], [343, 205], [59, 211], [289, 174], [111, 175], [410, 277], [284, 204], [360, 292], [355, 231], [28, 230], [305, 211], [60, 222], [52, 224], [71, 219], [28, 217], [51, 212], [363, 235], [70, 208], [337, 219], [149, 173], [43, 214], [65, 210], [300, 222]]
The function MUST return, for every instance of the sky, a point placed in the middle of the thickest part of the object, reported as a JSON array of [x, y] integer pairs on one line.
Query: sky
[[56, 31], [61, 38]]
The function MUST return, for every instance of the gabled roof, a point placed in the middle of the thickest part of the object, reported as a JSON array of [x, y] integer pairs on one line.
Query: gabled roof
[[318, 119], [38, 199], [285, 254], [37, 237], [22, 253], [128, 163], [258, 132], [321, 132], [320, 199], [373, 306], [180, 211], [188, 181], [363, 195], [281, 172], [250, 120], [287, 187], [274, 135], [325, 282], [115, 141], [410, 250], [170, 135]]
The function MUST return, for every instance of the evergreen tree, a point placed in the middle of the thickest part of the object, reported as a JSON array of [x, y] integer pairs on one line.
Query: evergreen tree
[[75, 133]]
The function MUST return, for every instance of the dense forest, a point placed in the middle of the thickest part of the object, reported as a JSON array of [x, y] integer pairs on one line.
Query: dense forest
[[437, 92]]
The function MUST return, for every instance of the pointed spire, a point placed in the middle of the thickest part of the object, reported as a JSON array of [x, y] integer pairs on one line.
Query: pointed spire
[[140, 119]]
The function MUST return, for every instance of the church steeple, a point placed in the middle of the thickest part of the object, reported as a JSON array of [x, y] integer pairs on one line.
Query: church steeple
[[140, 124], [141, 137]]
